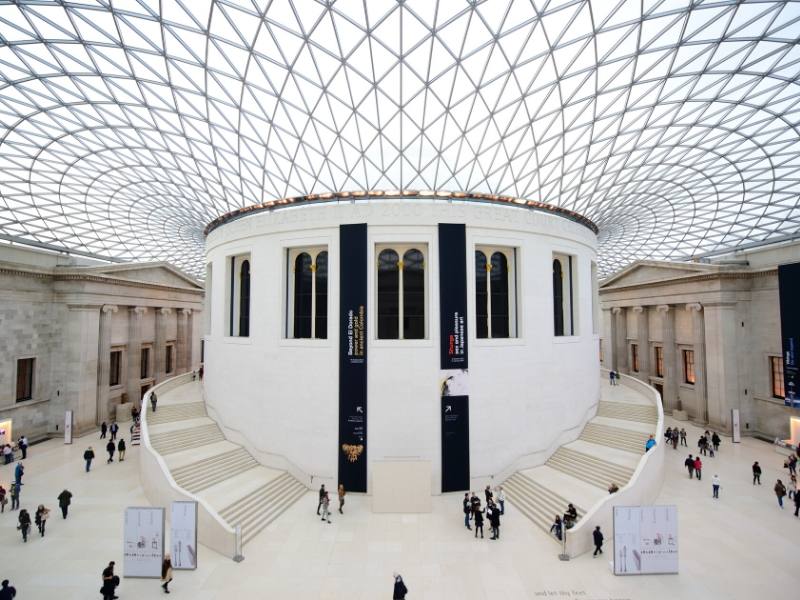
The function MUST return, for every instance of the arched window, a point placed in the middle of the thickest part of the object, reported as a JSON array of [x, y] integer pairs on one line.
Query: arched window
[[558, 297], [401, 292], [302, 295], [481, 295], [321, 296], [244, 299], [495, 292], [388, 295], [498, 277], [307, 293]]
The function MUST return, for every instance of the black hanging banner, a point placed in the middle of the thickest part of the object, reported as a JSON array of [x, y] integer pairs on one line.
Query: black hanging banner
[[789, 298], [353, 357], [453, 295], [454, 377]]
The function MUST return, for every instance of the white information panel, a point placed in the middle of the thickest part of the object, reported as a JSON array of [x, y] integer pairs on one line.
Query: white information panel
[[143, 548], [183, 535], [645, 540], [735, 426], [68, 427]]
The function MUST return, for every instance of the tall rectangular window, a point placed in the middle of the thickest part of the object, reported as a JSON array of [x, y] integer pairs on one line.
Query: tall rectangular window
[[401, 291], [307, 293], [168, 366], [564, 280], [495, 292], [25, 368], [144, 370], [114, 367], [776, 368], [659, 352], [635, 357], [238, 295], [688, 366]]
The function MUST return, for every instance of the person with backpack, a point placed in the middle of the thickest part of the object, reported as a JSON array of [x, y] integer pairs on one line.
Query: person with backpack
[[780, 492], [400, 589]]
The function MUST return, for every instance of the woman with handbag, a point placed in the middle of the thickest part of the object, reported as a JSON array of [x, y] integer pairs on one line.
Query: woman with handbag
[[166, 573], [41, 518]]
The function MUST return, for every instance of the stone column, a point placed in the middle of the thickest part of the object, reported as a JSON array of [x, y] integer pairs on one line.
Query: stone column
[[80, 387], [722, 377], [160, 350], [104, 361], [619, 330], [699, 343], [670, 360], [133, 383], [182, 347], [643, 341]]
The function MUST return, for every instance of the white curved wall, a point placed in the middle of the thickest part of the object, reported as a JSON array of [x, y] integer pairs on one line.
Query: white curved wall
[[283, 393]]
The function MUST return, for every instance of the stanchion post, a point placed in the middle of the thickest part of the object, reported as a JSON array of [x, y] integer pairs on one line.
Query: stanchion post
[[237, 543], [564, 555]]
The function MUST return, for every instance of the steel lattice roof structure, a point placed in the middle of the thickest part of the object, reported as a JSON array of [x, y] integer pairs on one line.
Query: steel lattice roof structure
[[128, 125]]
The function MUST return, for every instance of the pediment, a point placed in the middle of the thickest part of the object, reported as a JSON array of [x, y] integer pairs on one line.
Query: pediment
[[652, 271], [157, 273]]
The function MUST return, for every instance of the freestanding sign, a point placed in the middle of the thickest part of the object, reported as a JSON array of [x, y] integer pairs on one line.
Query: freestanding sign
[[736, 429], [645, 540], [68, 427], [353, 357], [453, 361], [183, 534], [789, 295], [143, 541]]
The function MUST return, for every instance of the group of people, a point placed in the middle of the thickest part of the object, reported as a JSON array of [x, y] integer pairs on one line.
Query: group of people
[[325, 502], [475, 513], [672, 435], [567, 521], [782, 490], [8, 450]]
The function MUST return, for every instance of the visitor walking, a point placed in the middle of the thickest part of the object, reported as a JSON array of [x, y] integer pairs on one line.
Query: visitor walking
[[166, 573], [23, 446], [103, 429], [611, 378], [24, 524], [40, 518], [88, 456], [791, 464], [556, 527], [501, 498], [110, 582], [698, 468], [649, 444], [689, 464], [121, 449], [19, 471], [341, 493], [756, 473], [153, 401], [702, 443], [597, 535], [477, 517], [326, 504], [780, 492], [110, 447], [13, 491], [796, 504], [400, 590], [683, 437], [64, 500], [321, 497], [114, 429], [7, 591], [715, 486], [715, 441], [3, 498]]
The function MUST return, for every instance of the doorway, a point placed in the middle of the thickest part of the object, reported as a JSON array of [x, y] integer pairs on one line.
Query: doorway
[[660, 389]]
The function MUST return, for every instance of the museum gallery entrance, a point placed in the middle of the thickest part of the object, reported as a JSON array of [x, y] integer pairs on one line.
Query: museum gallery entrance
[[660, 388]]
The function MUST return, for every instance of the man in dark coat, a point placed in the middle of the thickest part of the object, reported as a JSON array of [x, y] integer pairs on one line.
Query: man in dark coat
[[467, 510], [103, 429], [88, 456], [400, 589], [110, 582], [756, 473], [7, 592], [64, 499], [494, 521], [153, 401], [689, 464], [321, 497], [110, 447], [598, 541]]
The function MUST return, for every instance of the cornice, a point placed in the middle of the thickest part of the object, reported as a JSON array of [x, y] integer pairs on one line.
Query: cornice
[[728, 275]]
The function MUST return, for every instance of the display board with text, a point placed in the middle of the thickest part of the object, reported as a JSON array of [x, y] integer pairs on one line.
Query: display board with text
[[143, 542], [183, 534], [645, 540], [789, 295]]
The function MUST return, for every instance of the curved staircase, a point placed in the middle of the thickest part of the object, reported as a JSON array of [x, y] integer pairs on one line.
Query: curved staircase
[[204, 463], [607, 451]]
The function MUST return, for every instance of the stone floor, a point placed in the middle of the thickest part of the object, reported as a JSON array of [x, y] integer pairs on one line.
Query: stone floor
[[741, 546]]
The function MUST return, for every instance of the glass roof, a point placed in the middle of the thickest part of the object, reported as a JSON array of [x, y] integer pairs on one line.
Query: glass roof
[[127, 125]]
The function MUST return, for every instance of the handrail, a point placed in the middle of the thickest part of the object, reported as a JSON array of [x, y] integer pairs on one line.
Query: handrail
[[635, 492], [222, 540]]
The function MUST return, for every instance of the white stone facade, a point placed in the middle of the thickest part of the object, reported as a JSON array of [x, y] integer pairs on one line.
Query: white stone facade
[[726, 311], [69, 315], [281, 394]]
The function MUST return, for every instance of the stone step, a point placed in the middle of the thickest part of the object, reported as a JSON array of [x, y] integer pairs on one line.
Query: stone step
[[536, 502], [184, 439], [614, 437], [588, 468], [211, 471], [628, 412], [290, 496], [176, 412]]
